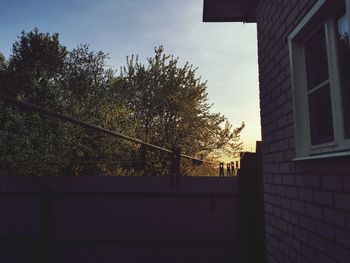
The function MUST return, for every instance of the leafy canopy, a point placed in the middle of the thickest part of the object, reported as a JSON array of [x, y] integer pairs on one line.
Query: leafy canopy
[[161, 102]]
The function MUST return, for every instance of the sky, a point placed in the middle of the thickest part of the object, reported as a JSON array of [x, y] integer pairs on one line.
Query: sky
[[224, 53]]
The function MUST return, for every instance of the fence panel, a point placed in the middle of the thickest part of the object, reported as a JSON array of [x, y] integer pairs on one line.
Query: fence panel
[[118, 219]]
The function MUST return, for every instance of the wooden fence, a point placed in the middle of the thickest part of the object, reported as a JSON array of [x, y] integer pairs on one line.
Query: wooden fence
[[118, 219]]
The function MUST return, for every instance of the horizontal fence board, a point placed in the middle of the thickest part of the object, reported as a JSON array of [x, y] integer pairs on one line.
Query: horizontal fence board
[[120, 184]]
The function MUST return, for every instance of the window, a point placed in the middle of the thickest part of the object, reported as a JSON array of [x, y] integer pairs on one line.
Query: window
[[320, 66]]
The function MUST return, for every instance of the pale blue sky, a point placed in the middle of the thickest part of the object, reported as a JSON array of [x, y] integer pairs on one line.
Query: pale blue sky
[[225, 53]]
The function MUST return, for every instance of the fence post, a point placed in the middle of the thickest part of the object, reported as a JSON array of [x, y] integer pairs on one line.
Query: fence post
[[45, 197], [251, 209], [175, 169], [221, 169], [228, 169]]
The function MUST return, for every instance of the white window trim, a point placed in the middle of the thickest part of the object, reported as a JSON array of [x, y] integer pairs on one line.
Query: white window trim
[[316, 17]]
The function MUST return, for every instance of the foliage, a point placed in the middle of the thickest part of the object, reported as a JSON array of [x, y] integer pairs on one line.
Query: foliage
[[161, 103], [35, 66], [170, 104], [76, 82]]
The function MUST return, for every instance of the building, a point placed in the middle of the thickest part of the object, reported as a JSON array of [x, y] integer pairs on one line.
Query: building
[[304, 74]]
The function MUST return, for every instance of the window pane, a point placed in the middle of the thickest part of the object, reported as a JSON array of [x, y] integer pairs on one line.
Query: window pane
[[316, 59], [320, 112], [343, 27], [344, 63]]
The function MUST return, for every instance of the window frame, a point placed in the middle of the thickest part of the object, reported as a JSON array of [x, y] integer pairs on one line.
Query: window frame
[[322, 14]]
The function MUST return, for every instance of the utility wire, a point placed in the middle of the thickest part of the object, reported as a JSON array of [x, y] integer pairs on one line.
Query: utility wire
[[71, 119]]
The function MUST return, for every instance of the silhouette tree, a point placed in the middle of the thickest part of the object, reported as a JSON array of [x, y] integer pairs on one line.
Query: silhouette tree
[[161, 103], [170, 104], [40, 70]]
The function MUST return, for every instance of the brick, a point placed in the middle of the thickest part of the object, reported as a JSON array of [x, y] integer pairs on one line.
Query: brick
[[325, 230], [288, 259], [286, 238], [284, 248], [268, 208], [289, 155], [298, 206], [288, 131], [278, 255], [280, 189], [312, 181], [302, 168], [332, 183], [269, 229], [325, 259], [291, 140], [294, 218], [299, 181], [273, 220], [314, 211], [293, 256], [269, 198], [305, 194], [292, 192], [288, 180], [309, 252], [340, 166], [269, 177], [271, 258], [265, 179], [333, 216], [342, 201], [300, 234], [291, 19], [278, 157], [283, 122], [323, 197], [347, 183], [307, 223], [290, 229], [338, 252], [302, 259], [277, 179], [317, 242], [274, 168], [282, 225], [268, 188], [285, 203], [343, 237], [319, 167], [277, 211], [296, 244], [304, 7], [278, 200], [284, 145]]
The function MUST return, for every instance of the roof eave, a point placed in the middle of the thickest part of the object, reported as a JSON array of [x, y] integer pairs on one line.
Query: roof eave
[[242, 11]]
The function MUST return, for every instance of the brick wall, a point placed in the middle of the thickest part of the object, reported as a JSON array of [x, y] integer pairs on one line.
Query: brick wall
[[307, 204]]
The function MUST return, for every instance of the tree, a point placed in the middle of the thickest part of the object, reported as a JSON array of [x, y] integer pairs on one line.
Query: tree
[[40, 70], [2, 62], [28, 140], [170, 104], [160, 103], [34, 68]]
